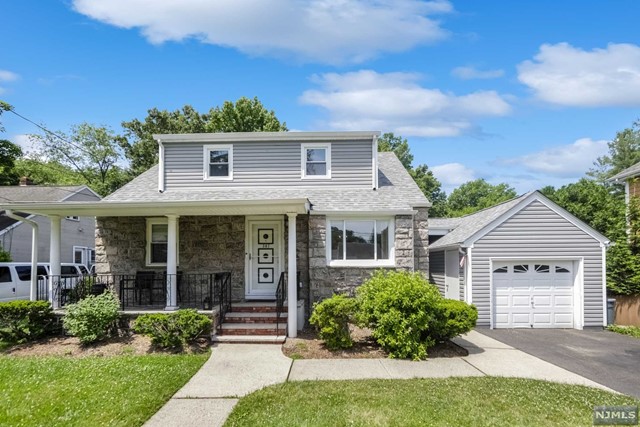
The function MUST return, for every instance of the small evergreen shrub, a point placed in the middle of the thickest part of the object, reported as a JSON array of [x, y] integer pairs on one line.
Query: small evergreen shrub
[[173, 330], [92, 318], [331, 317], [22, 321], [401, 308], [454, 318]]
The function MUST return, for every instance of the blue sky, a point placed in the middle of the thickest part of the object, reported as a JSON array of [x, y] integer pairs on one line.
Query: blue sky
[[526, 93]]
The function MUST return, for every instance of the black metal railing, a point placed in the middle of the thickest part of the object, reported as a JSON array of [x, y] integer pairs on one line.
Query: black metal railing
[[143, 290], [281, 295], [222, 286]]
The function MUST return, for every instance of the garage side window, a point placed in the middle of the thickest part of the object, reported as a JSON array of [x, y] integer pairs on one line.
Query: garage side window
[[501, 270]]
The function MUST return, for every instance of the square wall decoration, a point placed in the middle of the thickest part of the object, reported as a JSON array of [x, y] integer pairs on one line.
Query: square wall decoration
[[265, 236], [265, 275], [265, 256]]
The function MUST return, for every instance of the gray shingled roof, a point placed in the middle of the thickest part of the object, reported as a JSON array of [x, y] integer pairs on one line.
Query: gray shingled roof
[[397, 191], [444, 223], [471, 224], [627, 173], [38, 193]]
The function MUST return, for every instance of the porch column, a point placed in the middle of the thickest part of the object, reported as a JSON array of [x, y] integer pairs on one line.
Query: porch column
[[54, 258], [172, 262], [292, 274]]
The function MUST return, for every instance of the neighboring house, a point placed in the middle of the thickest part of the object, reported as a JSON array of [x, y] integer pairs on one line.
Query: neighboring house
[[523, 263], [629, 177], [78, 233], [323, 207]]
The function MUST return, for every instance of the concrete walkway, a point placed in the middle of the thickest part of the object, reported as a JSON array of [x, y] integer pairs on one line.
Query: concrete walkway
[[234, 370]]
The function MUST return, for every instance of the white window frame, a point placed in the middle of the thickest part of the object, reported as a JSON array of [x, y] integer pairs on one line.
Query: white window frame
[[205, 164], [391, 262], [303, 166], [150, 223]]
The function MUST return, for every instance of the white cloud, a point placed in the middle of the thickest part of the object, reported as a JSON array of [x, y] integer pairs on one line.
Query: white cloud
[[7, 76], [331, 31], [565, 75], [24, 141], [563, 161], [452, 175], [396, 102], [469, 73]]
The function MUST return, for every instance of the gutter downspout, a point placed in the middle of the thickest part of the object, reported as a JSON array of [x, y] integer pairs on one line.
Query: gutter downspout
[[160, 166], [34, 252]]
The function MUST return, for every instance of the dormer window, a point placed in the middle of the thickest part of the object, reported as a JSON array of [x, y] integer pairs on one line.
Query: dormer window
[[218, 162], [316, 161]]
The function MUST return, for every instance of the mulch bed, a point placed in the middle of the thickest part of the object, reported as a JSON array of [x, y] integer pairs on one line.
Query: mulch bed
[[117, 346], [308, 346]]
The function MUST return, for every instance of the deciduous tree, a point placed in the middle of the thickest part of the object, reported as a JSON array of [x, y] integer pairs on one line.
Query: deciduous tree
[[475, 195]]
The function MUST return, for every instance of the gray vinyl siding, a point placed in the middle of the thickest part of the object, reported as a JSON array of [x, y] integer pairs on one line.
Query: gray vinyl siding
[[74, 233], [436, 269], [537, 231], [268, 164]]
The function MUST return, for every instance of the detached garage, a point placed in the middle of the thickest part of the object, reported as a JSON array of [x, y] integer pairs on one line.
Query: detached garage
[[525, 263]]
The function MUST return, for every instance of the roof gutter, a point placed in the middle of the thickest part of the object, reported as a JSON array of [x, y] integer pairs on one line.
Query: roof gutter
[[34, 251]]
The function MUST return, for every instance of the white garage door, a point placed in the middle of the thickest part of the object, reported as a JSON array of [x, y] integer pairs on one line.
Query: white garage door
[[536, 294]]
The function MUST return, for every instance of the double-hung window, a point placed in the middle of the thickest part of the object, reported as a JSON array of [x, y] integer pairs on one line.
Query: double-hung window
[[316, 161], [157, 241], [218, 162], [365, 242]]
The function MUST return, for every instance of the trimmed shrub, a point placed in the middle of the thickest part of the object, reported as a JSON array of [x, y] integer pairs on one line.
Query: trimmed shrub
[[92, 318], [453, 318], [331, 318], [401, 309], [173, 330], [22, 321]]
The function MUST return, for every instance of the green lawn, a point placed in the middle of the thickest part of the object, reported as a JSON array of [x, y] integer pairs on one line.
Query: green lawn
[[483, 401], [92, 391]]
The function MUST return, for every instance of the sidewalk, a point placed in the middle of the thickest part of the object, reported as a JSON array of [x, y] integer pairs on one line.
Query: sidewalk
[[234, 370]]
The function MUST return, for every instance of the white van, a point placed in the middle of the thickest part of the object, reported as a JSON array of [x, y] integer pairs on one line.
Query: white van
[[15, 277]]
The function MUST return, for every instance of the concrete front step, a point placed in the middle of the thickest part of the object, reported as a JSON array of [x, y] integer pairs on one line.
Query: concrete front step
[[248, 339], [254, 317], [252, 329]]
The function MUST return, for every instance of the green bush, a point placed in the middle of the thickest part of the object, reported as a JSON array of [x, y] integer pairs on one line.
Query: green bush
[[331, 317], [401, 308], [454, 318], [22, 321], [633, 331], [92, 318], [173, 330], [623, 269]]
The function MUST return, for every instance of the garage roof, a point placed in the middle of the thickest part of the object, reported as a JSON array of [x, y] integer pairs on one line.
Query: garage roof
[[472, 227]]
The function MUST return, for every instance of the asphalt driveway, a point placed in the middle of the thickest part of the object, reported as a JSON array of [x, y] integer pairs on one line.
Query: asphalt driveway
[[610, 359]]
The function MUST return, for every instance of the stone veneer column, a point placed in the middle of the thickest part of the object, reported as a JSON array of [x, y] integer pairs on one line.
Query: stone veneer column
[[404, 242], [421, 241]]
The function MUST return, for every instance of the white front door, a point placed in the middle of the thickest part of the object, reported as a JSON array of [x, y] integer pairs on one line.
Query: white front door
[[264, 258], [533, 294], [452, 275]]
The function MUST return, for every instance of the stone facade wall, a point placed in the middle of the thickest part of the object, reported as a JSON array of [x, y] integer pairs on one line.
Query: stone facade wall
[[324, 281], [207, 244]]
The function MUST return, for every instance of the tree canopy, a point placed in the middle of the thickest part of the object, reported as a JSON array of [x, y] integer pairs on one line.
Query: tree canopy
[[624, 152], [91, 151], [9, 153], [421, 174], [476, 195], [245, 115]]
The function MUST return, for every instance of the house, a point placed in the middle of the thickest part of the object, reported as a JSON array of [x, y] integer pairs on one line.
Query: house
[[78, 232], [629, 177], [231, 217], [525, 263]]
